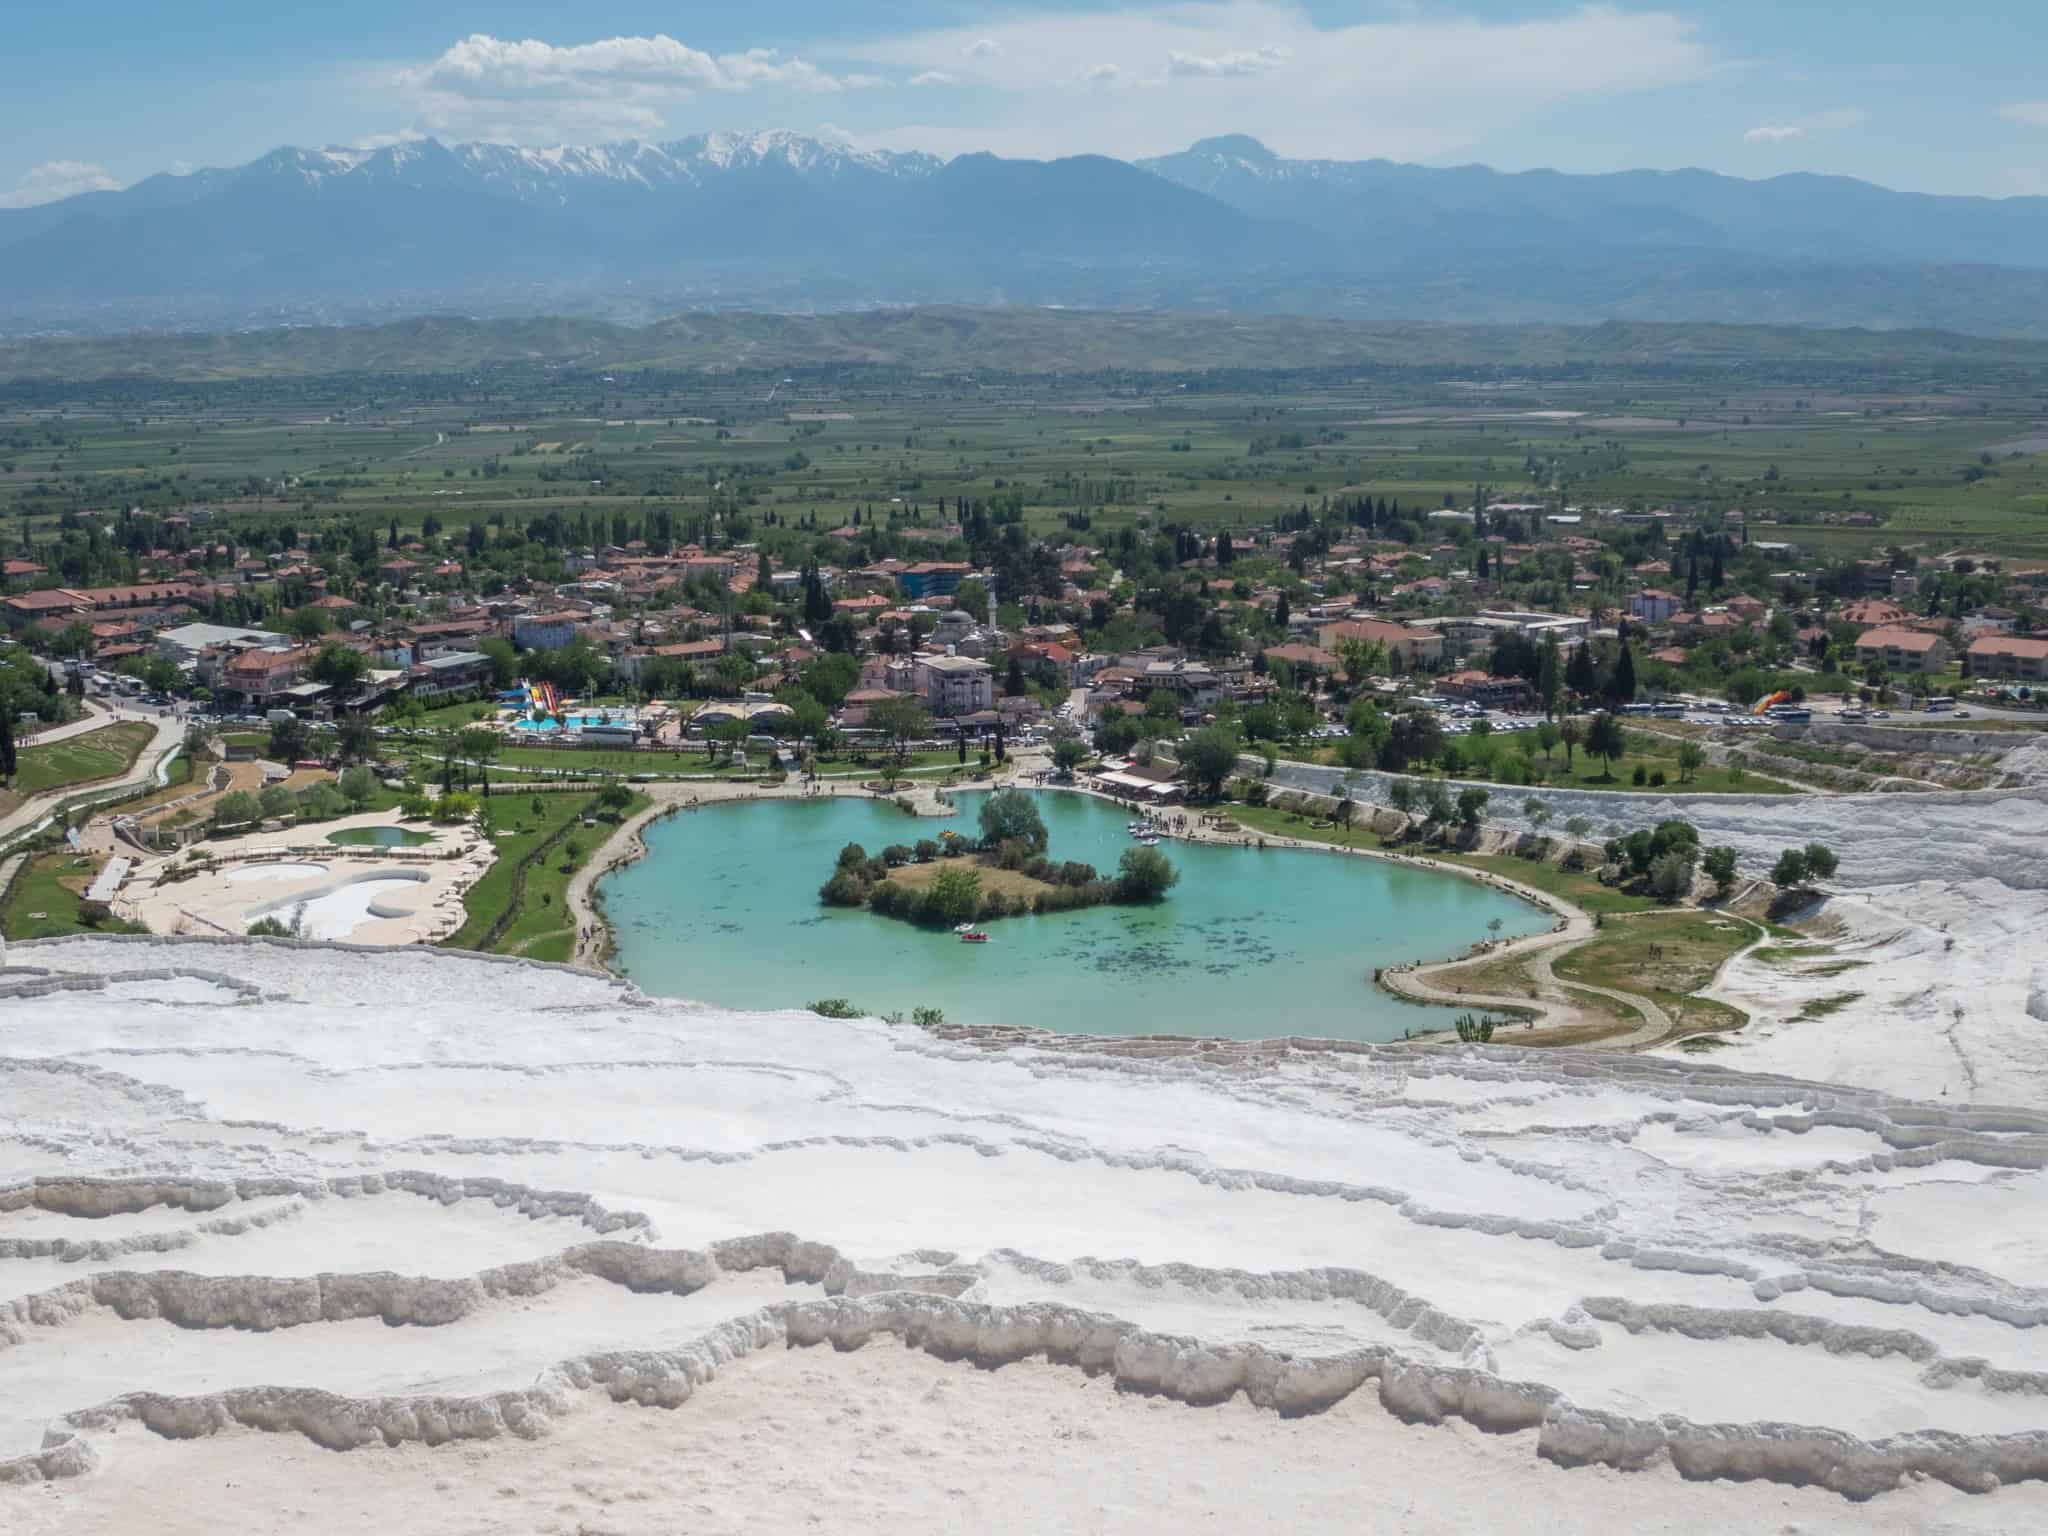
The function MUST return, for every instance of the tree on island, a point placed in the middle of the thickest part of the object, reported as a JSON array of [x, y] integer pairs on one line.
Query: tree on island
[[1012, 815], [955, 896], [1144, 874]]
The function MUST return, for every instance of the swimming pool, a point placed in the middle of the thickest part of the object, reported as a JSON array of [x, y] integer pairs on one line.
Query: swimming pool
[[574, 722]]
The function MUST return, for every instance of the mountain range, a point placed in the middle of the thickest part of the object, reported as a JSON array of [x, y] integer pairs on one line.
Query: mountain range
[[779, 220]]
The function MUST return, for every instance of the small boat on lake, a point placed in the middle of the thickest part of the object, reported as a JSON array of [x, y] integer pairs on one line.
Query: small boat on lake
[[974, 936]]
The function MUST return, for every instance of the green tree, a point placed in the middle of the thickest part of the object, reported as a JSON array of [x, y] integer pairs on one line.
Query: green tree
[[1719, 863], [1821, 862], [306, 624], [1068, 753], [236, 808], [1012, 815], [9, 761], [276, 801], [1606, 739], [1208, 758], [1144, 874], [901, 721], [1401, 796], [288, 740], [503, 658], [1671, 875], [358, 787], [1549, 679], [1790, 870], [1472, 807], [338, 666], [954, 896], [1691, 758], [354, 738], [1571, 731]]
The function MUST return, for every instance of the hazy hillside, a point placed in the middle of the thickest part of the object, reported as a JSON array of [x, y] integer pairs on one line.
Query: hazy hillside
[[958, 340]]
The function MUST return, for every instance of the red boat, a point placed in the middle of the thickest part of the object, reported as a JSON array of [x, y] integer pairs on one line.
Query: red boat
[[974, 936]]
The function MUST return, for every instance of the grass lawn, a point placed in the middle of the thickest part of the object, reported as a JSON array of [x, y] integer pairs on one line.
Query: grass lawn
[[1009, 881], [543, 928], [1580, 889], [1487, 758], [1653, 753], [53, 885], [1666, 956], [102, 754]]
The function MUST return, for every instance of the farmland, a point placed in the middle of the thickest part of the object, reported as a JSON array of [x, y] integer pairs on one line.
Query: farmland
[[1837, 455]]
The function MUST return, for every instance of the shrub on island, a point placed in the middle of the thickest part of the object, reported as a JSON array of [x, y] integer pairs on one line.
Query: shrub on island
[[958, 894]]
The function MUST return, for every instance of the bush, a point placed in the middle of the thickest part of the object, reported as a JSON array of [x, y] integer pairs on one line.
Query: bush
[[1641, 776], [926, 850], [954, 897], [1671, 875], [835, 1008], [323, 802], [358, 787], [1656, 777], [1144, 874], [1790, 870], [897, 854], [235, 808], [927, 1018], [1719, 863], [1472, 1029], [276, 800], [454, 806], [852, 854], [844, 889]]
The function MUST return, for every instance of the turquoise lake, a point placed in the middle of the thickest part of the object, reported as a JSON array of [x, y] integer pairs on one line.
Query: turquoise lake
[[1250, 944]]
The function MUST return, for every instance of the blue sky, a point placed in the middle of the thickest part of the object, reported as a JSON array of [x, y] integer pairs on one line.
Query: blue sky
[[103, 95]]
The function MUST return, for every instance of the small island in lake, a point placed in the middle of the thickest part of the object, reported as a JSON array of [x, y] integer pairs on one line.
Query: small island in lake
[[1006, 873]]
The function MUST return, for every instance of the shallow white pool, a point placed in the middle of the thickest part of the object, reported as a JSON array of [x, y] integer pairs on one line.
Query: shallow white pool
[[250, 872], [338, 913]]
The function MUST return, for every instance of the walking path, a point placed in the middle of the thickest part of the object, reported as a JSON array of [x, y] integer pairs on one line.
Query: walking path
[[32, 813]]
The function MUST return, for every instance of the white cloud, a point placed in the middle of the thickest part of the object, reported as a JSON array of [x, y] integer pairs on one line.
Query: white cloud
[[618, 85], [1259, 61], [1411, 84], [54, 179], [1834, 121], [1414, 82], [2033, 113]]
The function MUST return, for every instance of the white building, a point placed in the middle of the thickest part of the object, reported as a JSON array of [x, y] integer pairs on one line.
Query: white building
[[955, 685]]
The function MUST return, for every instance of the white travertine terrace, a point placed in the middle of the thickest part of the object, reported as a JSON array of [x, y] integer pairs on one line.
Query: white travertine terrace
[[260, 1198]]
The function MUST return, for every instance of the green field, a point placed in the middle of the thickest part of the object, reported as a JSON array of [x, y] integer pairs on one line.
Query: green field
[[541, 927], [42, 906], [1930, 438], [105, 753]]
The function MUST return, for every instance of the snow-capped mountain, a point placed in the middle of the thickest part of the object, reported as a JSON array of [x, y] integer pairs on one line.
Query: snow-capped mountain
[[787, 220]]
